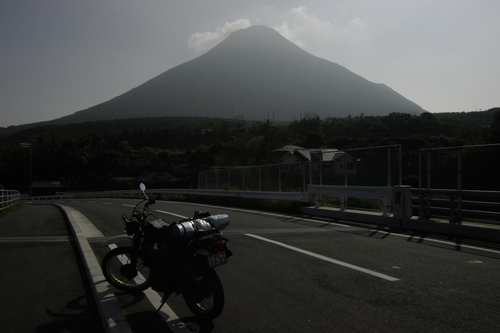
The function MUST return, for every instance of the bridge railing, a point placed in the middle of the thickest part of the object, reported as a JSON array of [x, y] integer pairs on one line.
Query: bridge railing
[[9, 198], [396, 201], [397, 206], [457, 205], [269, 195]]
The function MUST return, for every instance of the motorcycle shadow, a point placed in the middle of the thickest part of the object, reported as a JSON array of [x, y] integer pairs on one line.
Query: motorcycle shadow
[[198, 325], [143, 318], [76, 316], [151, 321], [127, 300]]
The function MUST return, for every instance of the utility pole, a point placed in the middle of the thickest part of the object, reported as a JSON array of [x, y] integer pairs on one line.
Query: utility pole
[[28, 145]]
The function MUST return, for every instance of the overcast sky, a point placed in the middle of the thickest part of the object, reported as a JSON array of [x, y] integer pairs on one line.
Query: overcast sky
[[62, 56]]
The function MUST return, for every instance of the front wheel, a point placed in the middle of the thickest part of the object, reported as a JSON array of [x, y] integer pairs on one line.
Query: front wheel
[[120, 271], [205, 298]]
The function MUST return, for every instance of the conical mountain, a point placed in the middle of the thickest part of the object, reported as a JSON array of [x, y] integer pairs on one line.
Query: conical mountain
[[256, 73]]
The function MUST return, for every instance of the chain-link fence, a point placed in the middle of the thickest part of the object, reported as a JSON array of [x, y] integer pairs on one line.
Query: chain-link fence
[[461, 168], [375, 166]]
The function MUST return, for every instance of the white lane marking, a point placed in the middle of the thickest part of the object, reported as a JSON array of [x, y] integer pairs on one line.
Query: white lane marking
[[333, 261], [107, 203], [300, 219], [168, 315], [421, 239], [168, 213], [126, 205]]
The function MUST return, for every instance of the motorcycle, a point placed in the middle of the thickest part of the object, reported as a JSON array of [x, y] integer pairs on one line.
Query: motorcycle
[[177, 257]]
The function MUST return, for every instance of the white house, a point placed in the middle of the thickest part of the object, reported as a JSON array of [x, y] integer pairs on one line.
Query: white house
[[331, 161]]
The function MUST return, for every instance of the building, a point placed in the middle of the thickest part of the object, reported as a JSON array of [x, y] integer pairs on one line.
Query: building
[[330, 162]]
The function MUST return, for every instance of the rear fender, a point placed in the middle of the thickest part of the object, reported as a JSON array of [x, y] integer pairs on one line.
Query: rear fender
[[119, 240], [202, 251]]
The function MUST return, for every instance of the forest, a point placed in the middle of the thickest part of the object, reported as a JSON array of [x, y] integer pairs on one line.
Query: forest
[[110, 155]]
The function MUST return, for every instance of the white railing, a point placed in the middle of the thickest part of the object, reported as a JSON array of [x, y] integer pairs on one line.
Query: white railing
[[9, 198]]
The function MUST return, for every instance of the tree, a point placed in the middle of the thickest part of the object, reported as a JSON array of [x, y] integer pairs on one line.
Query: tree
[[495, 128]]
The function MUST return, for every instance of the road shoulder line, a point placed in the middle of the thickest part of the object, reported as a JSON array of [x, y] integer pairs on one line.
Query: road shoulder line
[[111, 314]]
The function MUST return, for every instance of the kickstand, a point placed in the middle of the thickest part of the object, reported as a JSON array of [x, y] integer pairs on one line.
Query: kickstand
[[164, 300]]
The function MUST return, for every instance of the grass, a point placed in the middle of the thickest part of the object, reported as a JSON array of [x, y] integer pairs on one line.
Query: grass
[[13, 208]]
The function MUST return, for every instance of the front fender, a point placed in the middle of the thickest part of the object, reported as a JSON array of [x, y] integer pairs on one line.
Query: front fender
[[119, 240]]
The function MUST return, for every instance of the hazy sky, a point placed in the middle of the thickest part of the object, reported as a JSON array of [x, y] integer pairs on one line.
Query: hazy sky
[[62, 56]]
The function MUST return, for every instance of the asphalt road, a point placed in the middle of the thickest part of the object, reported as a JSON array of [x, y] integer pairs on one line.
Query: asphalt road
[[300, 274], [43, 285]]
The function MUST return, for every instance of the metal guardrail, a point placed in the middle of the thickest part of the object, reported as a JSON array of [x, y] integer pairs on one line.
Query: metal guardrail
[[432, 206], [431, 203], [9, 198], [269, 195], [286, 196], [386, 194], [455, 205]]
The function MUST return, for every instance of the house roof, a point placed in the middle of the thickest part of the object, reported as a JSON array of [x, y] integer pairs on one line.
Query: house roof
[[332, 155], [289, 148], [328, 155], [47, 184], [305, 154]]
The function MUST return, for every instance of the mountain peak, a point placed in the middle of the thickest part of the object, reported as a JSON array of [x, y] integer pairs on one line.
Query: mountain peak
[[256, 37], [254, 73]]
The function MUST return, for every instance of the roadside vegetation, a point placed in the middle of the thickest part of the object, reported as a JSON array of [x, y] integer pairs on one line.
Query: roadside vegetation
[[10, 209], [112, 155]]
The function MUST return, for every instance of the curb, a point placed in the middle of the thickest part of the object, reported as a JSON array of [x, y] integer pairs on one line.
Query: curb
[[111, 314]]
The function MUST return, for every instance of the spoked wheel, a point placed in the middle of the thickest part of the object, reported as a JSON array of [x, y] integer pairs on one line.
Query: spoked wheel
[[120, 272], [206, 297]]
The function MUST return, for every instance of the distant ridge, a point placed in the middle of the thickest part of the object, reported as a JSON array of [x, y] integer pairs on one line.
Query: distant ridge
[[255, 73]]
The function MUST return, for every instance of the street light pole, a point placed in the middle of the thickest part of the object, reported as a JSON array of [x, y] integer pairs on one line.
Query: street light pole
[[28, 145]]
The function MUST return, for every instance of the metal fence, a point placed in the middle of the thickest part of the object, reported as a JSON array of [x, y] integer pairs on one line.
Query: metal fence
[[459, 183], [456, 206], [460, 168], [374, 166], [9, 198], [455, 182]]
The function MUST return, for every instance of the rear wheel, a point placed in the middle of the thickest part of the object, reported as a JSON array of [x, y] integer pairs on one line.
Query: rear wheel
[[205, 298], [121, 273]]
